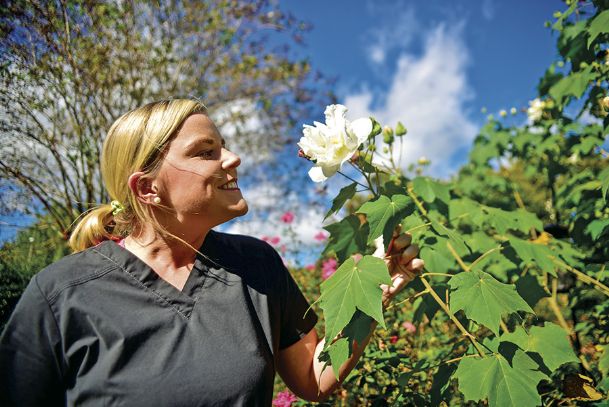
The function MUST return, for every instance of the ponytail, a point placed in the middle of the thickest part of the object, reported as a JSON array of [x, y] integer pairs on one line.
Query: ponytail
[[95, 227]]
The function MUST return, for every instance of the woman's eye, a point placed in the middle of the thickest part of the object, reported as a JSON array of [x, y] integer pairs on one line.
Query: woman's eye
[[206, 153]]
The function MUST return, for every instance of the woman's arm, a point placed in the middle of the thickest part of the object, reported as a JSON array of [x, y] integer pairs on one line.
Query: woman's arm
[[298, 364]]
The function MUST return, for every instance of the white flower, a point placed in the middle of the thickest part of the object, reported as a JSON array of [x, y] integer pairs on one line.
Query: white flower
[[535, 110], [330, 145]]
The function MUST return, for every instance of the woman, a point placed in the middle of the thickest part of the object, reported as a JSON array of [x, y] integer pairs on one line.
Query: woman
[[156, 308]]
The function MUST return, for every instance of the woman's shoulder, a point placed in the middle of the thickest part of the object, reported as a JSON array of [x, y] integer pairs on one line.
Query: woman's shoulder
[[74, 269]]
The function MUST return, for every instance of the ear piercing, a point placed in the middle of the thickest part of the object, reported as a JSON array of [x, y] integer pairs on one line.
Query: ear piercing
[[156, 200]]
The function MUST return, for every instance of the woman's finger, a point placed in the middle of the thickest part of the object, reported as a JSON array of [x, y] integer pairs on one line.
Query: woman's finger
[[410, 253], [416, 265], [402, 241]]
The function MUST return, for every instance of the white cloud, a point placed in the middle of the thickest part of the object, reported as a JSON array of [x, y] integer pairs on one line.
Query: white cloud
[[396, 32], [427, 93]]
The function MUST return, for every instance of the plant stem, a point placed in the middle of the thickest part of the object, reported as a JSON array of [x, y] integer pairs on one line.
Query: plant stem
[[348, 177], [418, 227], [584, 277], [457, 257], [437, 274], [412, 297], [461, 328], [418, 203], [503, 326], [483, 255]]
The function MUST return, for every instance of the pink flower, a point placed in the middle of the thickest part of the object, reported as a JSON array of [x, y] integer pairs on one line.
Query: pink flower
[[274, 240], [320, 237], [287, 217], [393, 339], [409, 327], [310, 267], [284, 399], [328, 267]]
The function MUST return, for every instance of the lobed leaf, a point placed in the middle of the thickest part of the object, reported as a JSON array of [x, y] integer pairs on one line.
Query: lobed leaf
[[484, 299], [343, 196], [353, 287], [549, 341], [502, 383]]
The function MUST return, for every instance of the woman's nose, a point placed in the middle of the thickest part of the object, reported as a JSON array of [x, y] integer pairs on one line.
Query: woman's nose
[[230, 159]]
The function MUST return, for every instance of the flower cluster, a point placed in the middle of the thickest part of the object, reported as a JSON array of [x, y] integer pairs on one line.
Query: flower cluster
[[330, 145], [284, 399], [535, 110], [328, 267]]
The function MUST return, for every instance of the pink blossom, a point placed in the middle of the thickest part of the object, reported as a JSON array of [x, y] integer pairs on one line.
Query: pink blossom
[[310, 267], [287, 217], [274, 240], [320, 237], [265, 238], [393, 338], [328, 267], [409, 327], [284, 399]]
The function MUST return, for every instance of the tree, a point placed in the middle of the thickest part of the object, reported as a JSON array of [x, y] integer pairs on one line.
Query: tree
[[69, 68]]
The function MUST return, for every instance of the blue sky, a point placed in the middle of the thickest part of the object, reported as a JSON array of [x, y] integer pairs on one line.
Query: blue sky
[[431, 64]]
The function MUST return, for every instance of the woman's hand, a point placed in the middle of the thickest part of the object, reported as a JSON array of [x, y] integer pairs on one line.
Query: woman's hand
[[402, 261]]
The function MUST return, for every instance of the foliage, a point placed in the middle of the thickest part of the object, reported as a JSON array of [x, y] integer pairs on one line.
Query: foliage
[[512, 308], [68, 69], [33, 248]]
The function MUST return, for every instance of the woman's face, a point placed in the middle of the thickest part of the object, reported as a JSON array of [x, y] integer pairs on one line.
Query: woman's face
[[198, 176]]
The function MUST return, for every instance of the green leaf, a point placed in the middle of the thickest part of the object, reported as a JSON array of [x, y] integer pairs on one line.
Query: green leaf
[[598, 25], [549, 341], [455, 238], [352, 287], [435, 261], [347, 237], [484, 299], [339, 352], [596, 228], [502, 383], [574, 84], [529, 289], [534, 253], [383, 213], [343, 196], [604, 178], [429, 190], [603, 362]]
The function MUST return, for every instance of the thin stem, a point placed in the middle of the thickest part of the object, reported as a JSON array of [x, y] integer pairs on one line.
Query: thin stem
[[461, 328], [556, 309], [418, 227], [584, 277], [348, 177], [503, 326], [457, 257], [412, 297], [437, 274], [485, 254]]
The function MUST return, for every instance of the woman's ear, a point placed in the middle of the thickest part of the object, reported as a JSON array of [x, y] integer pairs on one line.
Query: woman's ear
[[142, 187]]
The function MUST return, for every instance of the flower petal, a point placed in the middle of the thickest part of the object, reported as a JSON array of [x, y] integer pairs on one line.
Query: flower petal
[[317, 174], [362, 129], [336, 116]]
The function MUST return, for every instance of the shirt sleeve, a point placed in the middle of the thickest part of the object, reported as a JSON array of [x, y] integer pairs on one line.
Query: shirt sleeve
[[297, 319], [30, 349]]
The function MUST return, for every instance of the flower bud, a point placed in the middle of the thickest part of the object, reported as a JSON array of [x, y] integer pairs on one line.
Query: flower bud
[[560, 64], [483, 110], [388, 135], [376, 128], [400, 130], [513, 111], [605, 102], [502, 113], [423, 160]]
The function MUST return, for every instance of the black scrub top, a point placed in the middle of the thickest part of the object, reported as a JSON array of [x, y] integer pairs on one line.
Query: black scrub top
[[101, 328]]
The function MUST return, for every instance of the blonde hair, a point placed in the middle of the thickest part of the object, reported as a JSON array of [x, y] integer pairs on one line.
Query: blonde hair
[[135, 142]]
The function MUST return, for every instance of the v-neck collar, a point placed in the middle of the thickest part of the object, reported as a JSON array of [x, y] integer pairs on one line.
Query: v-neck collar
[[183, 300]]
